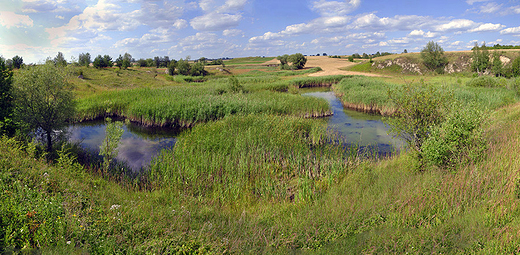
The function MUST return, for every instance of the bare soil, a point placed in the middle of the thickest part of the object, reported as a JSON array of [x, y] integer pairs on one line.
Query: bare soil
[[330, 66]]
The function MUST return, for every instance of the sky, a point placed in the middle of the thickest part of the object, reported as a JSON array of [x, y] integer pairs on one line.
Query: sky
[[38, 29]]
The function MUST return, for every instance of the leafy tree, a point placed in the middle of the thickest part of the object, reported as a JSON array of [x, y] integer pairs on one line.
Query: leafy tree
[[498, 66], [515, 67], [107, 61], [365, 56], [433, 57], [150, 62], [418, 109], [197, 69], [351, 58], [165, 61], [298, 60], [119, 62], [405, 51], [183, 67], [142, 62], [108, 149], [84, 59], [356, 55], [43, 100], [480, 58], [7, 126], [59, 60], [17, 62], [171, 67], [203, 60], [284, 59], [157, 61]]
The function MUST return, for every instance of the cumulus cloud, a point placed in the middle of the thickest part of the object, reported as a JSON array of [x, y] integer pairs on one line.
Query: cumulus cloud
[[471, 2], [511, 31], [335, 8], [11, 19], [214, 21], [488, 27], [421, 33], [456, 25], [490, 8], [396, 23], [220, 15], [232, 32]]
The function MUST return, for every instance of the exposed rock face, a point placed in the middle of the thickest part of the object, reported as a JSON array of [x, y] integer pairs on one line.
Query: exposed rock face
[[505, 60], [406, 65]]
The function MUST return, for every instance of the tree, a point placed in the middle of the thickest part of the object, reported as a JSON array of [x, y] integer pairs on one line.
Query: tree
[[498, 66], [43, 100], [119, 62], [7, 126], [157, 61], [480, 58], [197, 69], [84, 59], [142, 62], [418, 109], [433, 57], [171, 67], [284, 59], [59, 60], [17, 62], [515, 67], [183, 67], [298, 60], [405, 51], [108, 149]]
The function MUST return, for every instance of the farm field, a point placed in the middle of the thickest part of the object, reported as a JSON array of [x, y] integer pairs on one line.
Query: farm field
[[256, 170]]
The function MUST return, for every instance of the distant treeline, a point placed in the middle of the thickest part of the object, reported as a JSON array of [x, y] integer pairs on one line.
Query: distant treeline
[[501, 47]]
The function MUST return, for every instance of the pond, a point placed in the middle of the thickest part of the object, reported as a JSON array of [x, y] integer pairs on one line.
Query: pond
[[138, 144], [364, 130]]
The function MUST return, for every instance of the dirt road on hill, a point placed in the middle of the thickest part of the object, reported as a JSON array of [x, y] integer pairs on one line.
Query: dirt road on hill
[[330, 66]]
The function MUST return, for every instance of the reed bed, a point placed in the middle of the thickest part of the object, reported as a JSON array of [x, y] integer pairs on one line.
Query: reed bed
[[254, 157]]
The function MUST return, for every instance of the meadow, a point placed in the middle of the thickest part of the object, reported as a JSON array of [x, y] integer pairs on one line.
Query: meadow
[[257, 173]]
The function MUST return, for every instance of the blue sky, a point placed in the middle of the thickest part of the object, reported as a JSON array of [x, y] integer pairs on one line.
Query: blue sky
[[37, 29]]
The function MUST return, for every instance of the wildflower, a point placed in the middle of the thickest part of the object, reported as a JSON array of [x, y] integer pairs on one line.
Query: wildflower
[[114, 207]]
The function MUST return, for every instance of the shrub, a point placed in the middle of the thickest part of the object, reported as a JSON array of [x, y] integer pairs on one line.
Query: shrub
[[433, 57], [515, 67], [418, 109], [457, 140], [483, 81]]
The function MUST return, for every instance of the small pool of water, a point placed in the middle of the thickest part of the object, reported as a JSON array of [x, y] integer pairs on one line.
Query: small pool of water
[[138, 144], [365, 130]]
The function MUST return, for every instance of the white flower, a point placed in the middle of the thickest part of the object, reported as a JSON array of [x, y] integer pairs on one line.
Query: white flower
[[114, 207]]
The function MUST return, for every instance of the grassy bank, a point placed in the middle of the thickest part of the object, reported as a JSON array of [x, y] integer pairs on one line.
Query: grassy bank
[[370, 207], [371, 95]]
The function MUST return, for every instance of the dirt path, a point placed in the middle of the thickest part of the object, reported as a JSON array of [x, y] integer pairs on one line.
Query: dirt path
[[330, 66]]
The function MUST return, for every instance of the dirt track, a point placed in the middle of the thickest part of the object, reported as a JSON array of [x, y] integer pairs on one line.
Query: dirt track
[[330, 66]]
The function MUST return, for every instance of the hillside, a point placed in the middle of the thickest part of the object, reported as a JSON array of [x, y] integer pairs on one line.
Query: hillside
[[411, 63]]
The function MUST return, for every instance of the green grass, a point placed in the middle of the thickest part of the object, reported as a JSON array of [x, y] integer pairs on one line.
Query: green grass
[[247, 61]]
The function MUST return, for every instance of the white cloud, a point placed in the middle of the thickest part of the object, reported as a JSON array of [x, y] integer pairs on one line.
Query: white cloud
[[456, 25], [232, 32], [59, 17], [421, 33], [11, 19], [471, 2], [511, 31], [491, 8], [180, 24], [398, 22], [214, 21], [205, 44], [488, 27], [335, 8]]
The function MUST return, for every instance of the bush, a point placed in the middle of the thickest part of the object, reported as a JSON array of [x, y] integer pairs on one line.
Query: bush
[[483, 82], [458, 140], [515, 67], [433, 57], [418, 109]]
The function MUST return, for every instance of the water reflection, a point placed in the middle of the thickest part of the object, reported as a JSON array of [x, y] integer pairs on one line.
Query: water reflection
[[138, 144], [365, 130]]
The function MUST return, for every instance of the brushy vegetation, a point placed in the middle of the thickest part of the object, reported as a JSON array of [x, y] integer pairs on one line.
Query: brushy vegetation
[[256, 178]]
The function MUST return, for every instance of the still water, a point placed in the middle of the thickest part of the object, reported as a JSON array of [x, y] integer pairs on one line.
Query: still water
[[138, 144], [364, 130]]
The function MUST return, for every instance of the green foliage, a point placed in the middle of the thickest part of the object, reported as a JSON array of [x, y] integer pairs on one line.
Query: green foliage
[[351, 58], [171, 68], [298, 60], [284, 59], [515, 67], [7, 126], [84, 59], [17, 62], [197, 69], [59, 60], [456, 141], [483, 82], [102, 62], [183, 67], [419, 107], [234, 85], [250, 158], [433, 57], [108, 149], [480, 58], [43, 100]]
